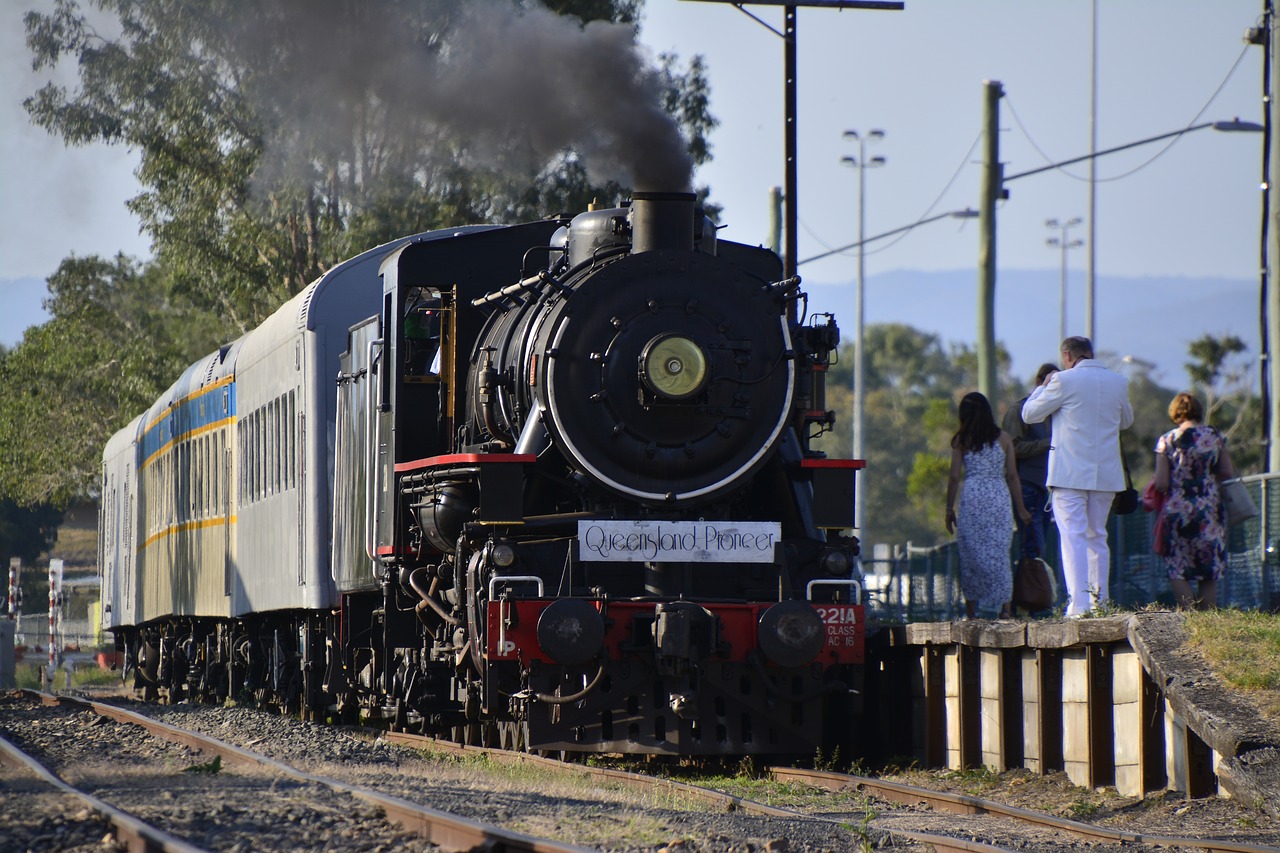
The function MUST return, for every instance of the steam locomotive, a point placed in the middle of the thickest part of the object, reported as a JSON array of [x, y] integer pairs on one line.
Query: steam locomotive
[[560, 497]]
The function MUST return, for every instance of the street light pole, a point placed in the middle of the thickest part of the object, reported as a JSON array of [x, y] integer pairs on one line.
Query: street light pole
[[861, 164], [993, 182], [1065, 244]]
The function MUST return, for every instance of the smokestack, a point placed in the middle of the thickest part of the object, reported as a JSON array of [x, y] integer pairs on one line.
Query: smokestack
[[661, 221]]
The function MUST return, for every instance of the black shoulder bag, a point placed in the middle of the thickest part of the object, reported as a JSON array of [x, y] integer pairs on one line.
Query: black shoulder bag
[[1127, 501]]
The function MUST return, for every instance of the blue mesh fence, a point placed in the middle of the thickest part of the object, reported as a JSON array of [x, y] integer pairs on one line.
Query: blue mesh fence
[[914, 584]]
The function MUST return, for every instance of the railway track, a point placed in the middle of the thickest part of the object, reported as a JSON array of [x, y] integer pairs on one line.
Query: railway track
[[856, 810], [313, 809], [557, 805], [961, 804], [1041, 828]]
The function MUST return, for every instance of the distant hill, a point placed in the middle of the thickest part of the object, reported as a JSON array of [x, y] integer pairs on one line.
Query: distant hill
[[20, 307], [1153, 319]]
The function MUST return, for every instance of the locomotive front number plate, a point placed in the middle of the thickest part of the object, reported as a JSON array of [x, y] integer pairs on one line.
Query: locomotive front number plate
[[678, 541]]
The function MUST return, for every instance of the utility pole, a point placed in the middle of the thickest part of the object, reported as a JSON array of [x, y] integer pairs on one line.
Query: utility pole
[[1271, 251], [1264, 35], [992, 191], [1090, 290], [790, 54], [775, 220]]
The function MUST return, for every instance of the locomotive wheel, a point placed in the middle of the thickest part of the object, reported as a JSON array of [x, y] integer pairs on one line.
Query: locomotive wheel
[[468, 734], [513, 736]]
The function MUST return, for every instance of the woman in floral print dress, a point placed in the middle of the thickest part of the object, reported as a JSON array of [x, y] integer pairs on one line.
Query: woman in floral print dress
[[983, 454], [1190, 460]]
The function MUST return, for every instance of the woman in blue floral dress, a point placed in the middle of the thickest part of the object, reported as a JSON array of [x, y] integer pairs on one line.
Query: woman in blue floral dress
[[1190, 460], [982, 454]]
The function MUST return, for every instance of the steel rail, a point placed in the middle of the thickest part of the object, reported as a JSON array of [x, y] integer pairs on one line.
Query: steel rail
[[135, 834], [448, 831], [964, 804], [889, 791], [644, 783]]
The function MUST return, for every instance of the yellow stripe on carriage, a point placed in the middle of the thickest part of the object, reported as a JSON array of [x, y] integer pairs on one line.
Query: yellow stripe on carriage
[[226, 380], [186, 526], [189, 434]]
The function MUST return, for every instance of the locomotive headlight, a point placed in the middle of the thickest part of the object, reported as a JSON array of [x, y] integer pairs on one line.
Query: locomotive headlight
[[502, 555], [835, 563], [791, 633], [674, 366]]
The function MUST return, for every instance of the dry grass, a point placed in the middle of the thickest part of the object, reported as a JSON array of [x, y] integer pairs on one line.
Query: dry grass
[[76, 545], [1243, 647]]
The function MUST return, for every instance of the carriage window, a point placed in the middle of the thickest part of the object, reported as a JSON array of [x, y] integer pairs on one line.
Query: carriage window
[[187, 476], [277, 424], [259, 454], [251, 451], [219, 482], [242, 443], [246, 467], [291, 460], [188, 479], [204, 477]]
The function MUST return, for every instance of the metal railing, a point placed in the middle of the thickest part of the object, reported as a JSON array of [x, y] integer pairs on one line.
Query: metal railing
[[915, 584]]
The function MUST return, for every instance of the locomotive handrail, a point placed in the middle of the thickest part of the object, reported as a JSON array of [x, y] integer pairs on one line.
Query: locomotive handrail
[[493, 582], [541, 277], [808, 590], [372, 406]]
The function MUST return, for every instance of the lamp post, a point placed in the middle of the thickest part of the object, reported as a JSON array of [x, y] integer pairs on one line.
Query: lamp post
[[1064, 244], [860, 163], [993, 188]]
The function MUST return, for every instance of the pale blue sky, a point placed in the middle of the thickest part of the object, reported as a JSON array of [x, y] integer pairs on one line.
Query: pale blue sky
[[917, 74]]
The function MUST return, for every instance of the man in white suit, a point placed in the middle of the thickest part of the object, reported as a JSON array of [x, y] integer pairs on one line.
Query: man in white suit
[[1089, 405]]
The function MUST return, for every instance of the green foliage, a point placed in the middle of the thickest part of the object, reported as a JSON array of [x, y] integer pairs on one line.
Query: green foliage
[[278, 139], [209, 767], [1222, 377], [25, 532], [1242, 645], [1210, 355], [1083, 808], [114, 342], [912, 383], [822, 761]]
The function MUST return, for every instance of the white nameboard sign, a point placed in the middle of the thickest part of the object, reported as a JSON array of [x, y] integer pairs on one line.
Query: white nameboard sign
[[678, 541]]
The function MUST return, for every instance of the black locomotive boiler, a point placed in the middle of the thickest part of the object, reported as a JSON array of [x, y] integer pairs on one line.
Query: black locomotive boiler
[[562, 497]]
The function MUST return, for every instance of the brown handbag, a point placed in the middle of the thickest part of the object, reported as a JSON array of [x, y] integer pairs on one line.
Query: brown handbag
[[1032, 585]]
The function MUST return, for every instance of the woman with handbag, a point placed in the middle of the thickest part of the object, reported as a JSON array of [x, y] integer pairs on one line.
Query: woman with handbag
[[982, 457], [1191, 459]]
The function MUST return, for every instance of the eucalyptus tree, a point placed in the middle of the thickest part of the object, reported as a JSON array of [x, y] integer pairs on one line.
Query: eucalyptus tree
[[275, 139], [114, 342]]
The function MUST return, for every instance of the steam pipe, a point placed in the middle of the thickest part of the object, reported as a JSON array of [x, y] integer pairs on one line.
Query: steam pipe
[[581, 694], [428, 597]]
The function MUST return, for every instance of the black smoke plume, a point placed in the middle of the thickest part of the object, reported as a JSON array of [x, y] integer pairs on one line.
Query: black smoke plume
[[388, 86]]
